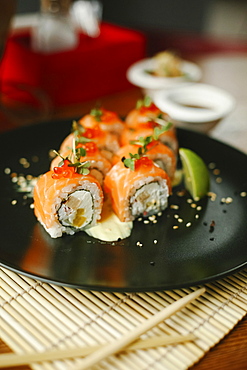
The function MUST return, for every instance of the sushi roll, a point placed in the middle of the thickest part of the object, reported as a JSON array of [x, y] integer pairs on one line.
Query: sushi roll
[[105, 119], [168, 137], [66, 202], [145, 111], [142, 189], [159, 153], [98, 165], [106, 142]]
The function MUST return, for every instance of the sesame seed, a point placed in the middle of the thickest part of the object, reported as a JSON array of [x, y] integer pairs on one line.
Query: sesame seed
[[218, 180], [52, 154], [243, 194], [199, 208], [180, 220], [211, 165], [175, 227], [159, 214], [229, 200], [174, 206], [216, 171], [193, 205], [22, 160], [146, 221], [212, 195], [139, 219], [189, 200], [14, 202], [155, 221], [197, 216], [212, 226], [176, 216], [32, 206], [155, 241], [181, 193], [7, 171], [188, 224]]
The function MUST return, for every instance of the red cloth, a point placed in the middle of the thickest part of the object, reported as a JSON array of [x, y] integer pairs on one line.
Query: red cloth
[[96, 67]]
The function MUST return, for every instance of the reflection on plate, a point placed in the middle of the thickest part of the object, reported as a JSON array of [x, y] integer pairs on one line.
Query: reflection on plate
[[155, 256]]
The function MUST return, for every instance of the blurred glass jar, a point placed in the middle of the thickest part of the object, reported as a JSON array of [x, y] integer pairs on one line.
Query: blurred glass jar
[[7, 12], [55, 30]]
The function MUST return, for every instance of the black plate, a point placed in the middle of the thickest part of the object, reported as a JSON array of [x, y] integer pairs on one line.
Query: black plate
[[181, 257]]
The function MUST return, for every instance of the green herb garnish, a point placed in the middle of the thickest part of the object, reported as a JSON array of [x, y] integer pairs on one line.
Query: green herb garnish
[[130, 162], [143, 142], [81, 167], [97, 114], [146, 102]]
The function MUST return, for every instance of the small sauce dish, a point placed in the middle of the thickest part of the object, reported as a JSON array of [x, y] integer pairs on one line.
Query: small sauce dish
[[195, 106]]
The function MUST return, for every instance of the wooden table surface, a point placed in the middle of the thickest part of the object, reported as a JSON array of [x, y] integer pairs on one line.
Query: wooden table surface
[[231, 352]]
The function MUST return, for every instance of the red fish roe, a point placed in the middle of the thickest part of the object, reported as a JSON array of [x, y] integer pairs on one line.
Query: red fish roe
[[64, 171]]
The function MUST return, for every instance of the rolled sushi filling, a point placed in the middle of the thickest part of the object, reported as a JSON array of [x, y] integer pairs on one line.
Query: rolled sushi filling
[[149, 199], [77, 210]]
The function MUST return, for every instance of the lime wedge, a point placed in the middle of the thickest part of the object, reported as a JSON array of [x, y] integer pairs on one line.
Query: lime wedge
[[195, 172]]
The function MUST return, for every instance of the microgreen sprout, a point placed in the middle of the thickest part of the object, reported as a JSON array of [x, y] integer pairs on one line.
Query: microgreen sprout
[[158, 130], [97, 114], [130, 162], [77, 129], [146, 102], [143, 142], [81, 167]]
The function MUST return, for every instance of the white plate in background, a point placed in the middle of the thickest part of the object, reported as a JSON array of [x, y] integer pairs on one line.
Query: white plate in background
[[138, 75]]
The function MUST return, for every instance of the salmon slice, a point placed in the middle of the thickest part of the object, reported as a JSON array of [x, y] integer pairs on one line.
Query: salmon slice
[[168, 137], [105, 119], [143, 114], [107, 142]]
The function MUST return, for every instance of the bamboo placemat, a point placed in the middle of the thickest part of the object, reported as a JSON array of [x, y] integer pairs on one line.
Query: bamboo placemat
[[36, 316]]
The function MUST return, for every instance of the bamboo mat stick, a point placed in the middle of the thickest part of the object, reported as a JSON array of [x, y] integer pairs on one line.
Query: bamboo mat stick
[[11, 359], [144, 327]]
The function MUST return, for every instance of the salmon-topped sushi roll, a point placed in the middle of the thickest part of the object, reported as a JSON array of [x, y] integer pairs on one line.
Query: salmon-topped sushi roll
[[137, 188], [159, 153], [106, 142], [167, 137], [145, 111], [107, 120], [98, 165], [66, 201]]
